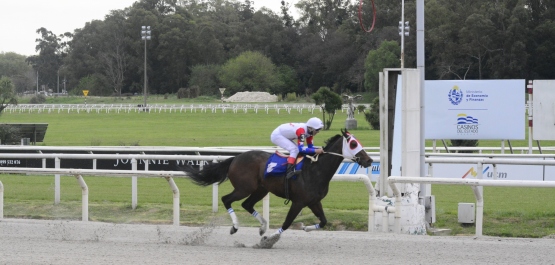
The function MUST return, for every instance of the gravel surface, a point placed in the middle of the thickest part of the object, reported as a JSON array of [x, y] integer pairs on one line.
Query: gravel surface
[[252, 97], [72, 242]]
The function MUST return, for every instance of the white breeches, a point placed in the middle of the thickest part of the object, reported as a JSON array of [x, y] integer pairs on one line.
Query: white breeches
[[284, 143]]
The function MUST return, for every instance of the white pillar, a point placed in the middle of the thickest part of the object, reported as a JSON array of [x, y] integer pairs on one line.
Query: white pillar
[[134, 185], [57, 182]]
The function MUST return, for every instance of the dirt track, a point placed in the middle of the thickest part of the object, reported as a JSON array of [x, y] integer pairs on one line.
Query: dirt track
[[63, 242]]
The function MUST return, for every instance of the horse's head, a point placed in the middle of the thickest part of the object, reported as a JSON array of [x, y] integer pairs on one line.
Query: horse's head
[[352, 149]]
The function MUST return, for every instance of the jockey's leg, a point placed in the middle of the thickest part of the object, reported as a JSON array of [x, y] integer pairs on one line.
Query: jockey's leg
[[290, 167]]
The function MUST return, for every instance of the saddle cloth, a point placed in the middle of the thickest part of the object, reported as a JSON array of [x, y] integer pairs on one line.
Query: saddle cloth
[[277, 165]]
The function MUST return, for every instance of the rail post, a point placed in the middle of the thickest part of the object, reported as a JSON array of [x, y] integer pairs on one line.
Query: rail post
[[1, 201], [134, 184], [57, 182], [84, 198], [175, 191]]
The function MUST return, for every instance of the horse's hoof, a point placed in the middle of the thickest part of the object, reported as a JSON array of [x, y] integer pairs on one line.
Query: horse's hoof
[[233, 230], [262, 229], [268, 242]]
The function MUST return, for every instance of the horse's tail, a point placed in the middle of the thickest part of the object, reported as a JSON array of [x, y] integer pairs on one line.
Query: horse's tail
[[210, 174]]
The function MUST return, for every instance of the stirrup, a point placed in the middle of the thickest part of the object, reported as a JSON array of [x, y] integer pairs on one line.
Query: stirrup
[[292, 173]]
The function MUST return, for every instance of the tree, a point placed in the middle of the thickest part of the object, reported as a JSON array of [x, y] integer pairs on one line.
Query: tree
[[93, 83], [373, 115], [7, 93], [478, 33], [289, 82], [329, 102], [9, 134], [13, 65], [386, 56], [205, 77], [114, 55], [250, 71], [49, 59]]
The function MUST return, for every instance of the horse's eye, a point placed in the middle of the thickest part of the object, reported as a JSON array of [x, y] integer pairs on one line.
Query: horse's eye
[[353, 144]]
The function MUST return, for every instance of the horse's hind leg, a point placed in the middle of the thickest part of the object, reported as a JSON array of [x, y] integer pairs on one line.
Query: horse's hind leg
[[228, 200], [249, 203], [319, 212]]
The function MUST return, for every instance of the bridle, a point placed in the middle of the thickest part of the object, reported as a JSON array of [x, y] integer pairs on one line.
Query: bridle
[[354, 158]]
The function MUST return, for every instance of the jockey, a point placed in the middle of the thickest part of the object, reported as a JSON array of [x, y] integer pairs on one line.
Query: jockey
[[284, 135]]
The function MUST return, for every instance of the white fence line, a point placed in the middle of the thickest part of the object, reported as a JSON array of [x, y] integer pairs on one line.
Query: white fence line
[[169, 175], [475, 185], [519, 151], [169, 108]]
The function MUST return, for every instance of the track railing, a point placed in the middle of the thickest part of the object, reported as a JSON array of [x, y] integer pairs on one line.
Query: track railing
[[475, 184], [133, 173]]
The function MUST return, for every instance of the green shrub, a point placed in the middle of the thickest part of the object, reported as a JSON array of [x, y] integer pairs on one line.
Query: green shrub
[[291, 97], [182, 93], [9, 134], [38, 99], [464, 143], [373, 116]]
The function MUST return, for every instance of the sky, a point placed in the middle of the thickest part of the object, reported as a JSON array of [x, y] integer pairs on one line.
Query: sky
[[20, 19]]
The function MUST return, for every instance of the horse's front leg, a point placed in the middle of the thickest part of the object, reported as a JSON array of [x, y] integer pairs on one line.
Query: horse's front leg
[[291, 215], [319, 212], [268, 242]]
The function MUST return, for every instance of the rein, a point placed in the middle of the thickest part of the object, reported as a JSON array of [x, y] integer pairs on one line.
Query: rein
[[315, 158]]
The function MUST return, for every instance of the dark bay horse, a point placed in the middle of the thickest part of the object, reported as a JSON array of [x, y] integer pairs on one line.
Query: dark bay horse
[[246, 174]]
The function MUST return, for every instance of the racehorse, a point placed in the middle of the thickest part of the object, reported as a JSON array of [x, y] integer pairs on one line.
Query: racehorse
[[246, 172]]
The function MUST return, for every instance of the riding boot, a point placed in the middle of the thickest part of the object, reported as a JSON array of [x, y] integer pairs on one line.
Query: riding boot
[[291, 168], [290, 171]]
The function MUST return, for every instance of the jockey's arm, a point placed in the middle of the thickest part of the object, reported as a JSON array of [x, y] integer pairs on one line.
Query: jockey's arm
[[309, 149]]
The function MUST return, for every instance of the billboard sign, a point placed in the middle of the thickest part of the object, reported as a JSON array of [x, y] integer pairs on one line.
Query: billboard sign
[[475, 109]]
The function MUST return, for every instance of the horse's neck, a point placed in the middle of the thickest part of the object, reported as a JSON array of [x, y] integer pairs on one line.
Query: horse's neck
[[327, 165]]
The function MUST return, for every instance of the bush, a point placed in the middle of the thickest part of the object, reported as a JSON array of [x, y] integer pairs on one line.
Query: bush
[[38, 99], [191, 92], [373, 116], [291, 97], [464, 143], [181, 93], [9, 134]]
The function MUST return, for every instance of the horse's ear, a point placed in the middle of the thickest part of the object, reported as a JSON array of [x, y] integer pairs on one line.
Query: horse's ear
[[344, 132]]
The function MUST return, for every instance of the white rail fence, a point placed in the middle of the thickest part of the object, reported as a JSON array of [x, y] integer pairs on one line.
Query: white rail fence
[[476, 184], [134, 173], [374, 207], [169, 108]]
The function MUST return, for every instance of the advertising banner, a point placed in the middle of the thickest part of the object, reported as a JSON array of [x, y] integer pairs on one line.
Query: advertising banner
[[475, 109], [504, 172]]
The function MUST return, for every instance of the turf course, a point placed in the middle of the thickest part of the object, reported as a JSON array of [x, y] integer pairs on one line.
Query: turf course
[[526, 213]]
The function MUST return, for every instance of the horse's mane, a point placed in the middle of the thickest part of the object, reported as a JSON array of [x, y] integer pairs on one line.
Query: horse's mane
[[330, 141]]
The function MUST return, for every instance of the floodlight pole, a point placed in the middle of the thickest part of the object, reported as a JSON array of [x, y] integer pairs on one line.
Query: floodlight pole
[[145, 35]]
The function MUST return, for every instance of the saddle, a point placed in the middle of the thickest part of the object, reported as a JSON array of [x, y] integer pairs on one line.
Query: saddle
[[277, 165]]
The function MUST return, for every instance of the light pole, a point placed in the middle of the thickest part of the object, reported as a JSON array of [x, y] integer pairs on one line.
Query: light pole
[[58, 85], [145, 35], [403, 31]]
